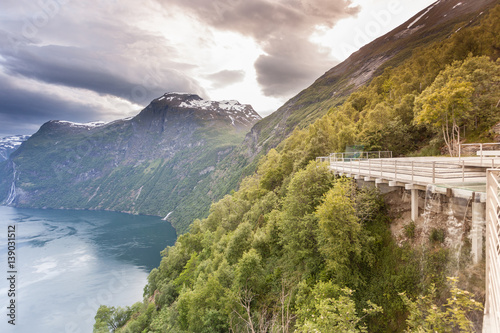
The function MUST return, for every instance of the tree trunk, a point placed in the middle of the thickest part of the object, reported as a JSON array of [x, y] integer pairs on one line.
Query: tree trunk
[[446, 137]]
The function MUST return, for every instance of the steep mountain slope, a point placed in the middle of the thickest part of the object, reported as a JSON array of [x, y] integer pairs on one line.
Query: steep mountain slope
[[145, 164], [432, 25], [9, 144], [437, 22]]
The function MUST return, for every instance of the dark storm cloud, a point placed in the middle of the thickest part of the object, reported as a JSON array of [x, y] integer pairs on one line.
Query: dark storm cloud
[[226, 78], [112, 65], [290, 64], [259, 18], [282, 28], [23, 111], [89, 45]]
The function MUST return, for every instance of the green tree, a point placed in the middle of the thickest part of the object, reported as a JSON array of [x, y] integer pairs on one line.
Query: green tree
[[109, 319], [239, 242], [328, 308], [341, 235], [445, 105], [427, 316], [297, 223], [271, 174]]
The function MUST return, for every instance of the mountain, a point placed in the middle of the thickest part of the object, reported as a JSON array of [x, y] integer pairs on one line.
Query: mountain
[[297, 249], [141, 165], [9, 144]]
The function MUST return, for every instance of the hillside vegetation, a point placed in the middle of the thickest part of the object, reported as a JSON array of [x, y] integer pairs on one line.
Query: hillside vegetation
[[164, 162], [297, 249]]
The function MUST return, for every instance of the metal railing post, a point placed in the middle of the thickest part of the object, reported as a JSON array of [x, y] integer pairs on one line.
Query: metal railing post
[[481, 152], [412, 171], [463, 171], [433, 172], [396, 170]]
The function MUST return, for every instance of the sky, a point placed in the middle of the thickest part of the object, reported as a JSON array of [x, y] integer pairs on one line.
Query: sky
[[101, 60]]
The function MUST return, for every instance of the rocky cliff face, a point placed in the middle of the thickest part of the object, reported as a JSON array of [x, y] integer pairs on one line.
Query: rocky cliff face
[[146, 164]]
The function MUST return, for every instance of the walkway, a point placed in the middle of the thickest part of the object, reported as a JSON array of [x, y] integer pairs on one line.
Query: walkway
[[463, 175]]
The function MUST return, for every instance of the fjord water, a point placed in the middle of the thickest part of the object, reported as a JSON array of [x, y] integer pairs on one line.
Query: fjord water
[[70, 262]]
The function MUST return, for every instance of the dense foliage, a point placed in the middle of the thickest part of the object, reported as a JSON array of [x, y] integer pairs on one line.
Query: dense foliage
[[296, 250], [262, 261]]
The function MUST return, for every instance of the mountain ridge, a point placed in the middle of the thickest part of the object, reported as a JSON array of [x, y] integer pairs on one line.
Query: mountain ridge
[[369, 61], [152, 159], [297, 248]]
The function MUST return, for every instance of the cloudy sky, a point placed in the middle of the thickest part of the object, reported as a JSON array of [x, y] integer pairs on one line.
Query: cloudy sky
[[107, 59]]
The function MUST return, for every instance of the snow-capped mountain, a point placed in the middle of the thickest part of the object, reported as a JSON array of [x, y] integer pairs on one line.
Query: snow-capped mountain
[[145, 164], [9, 144], [231, 110]]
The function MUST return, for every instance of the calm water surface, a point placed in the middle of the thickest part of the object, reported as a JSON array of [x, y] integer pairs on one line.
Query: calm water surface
[[70, 262]]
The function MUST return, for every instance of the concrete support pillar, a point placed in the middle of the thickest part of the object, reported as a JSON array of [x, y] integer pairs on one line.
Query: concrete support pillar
[[414, 204], [477, 230]]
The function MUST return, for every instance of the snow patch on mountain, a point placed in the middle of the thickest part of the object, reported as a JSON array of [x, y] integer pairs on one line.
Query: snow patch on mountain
[[232, 110], [425, 13], [9, 144], [88, 125]]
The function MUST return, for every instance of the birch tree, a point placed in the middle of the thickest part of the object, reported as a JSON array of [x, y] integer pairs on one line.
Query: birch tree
[[445, 105]]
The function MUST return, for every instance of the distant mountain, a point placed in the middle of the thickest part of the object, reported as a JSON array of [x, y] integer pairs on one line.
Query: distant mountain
[[9, 144], [143, 165]]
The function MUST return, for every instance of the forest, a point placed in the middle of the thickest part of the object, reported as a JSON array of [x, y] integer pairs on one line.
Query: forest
[[297, 249]]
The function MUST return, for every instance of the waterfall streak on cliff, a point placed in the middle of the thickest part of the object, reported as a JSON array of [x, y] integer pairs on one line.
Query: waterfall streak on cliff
[[12, 192]]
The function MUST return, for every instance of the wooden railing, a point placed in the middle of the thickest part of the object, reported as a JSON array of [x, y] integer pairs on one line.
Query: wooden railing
[[492, 306]]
